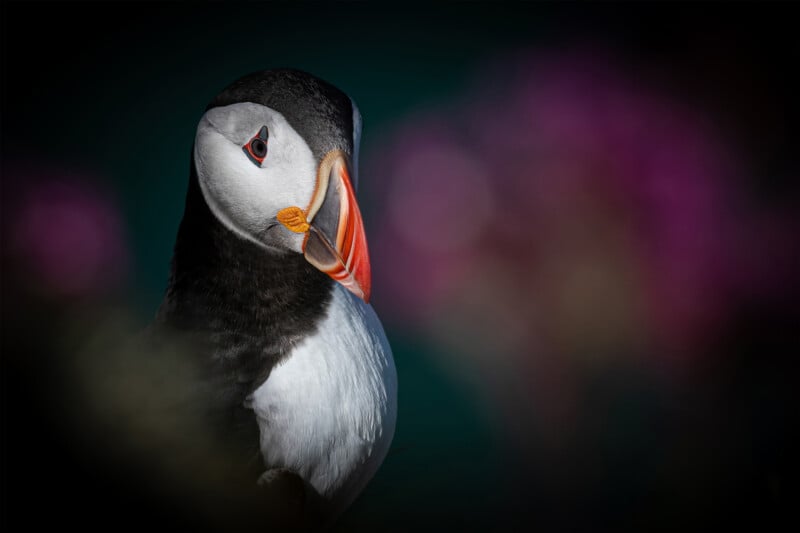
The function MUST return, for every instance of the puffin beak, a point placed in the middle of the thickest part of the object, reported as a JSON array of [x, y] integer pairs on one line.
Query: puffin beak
[[335, 241]]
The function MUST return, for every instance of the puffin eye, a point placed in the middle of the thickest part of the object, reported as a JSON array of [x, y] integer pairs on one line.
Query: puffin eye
[[256, 149]]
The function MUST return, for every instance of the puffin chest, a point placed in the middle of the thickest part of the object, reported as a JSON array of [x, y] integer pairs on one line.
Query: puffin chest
[[328, 410]]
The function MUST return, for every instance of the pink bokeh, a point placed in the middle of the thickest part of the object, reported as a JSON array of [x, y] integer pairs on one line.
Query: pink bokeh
[[65, 233], [571, 209]]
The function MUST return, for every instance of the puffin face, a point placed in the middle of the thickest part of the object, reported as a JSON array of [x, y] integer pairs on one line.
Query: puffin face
[[251, 164], [260, 178]]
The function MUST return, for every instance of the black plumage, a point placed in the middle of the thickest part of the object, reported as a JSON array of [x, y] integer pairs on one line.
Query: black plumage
[[244, 305]]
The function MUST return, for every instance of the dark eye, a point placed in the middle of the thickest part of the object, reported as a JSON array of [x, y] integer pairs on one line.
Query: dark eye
[[256, 149]]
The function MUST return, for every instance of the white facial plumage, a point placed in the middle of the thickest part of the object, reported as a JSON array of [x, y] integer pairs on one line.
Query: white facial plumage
[[246, 196]]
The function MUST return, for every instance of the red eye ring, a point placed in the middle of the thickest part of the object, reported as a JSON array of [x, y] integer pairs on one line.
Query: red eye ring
[[256, 148]]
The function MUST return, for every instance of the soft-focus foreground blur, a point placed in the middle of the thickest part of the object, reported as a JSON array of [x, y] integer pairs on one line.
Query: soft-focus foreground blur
[[583, 230]]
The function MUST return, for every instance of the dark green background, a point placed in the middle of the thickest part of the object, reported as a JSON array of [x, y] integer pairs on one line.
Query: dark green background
[[114, 90]]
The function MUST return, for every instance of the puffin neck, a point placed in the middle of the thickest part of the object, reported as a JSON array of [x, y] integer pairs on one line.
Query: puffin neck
[[245, 297]]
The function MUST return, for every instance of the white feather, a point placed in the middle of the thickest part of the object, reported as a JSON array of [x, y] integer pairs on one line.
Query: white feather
[[328, 412]]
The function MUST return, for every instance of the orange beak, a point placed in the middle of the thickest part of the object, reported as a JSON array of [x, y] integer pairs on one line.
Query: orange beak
[[335, 241]]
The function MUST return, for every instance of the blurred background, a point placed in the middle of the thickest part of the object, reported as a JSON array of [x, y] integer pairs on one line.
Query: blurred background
[[582, 223]]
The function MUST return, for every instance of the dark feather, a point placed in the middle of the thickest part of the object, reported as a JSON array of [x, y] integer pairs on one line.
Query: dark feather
[[243, 305]]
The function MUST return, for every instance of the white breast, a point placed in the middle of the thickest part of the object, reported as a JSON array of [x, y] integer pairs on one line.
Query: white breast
[[328, 411]]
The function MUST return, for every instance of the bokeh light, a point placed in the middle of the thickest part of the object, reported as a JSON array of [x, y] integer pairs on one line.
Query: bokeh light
[[573, 210], [65, 231]]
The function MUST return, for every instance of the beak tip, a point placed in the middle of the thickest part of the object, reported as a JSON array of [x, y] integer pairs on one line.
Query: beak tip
[[359, 287]]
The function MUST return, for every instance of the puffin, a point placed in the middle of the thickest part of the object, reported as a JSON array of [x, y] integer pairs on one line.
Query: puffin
[[270, 278]]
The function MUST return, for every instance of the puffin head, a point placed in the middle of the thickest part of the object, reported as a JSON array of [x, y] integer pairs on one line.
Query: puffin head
[[275, 154]]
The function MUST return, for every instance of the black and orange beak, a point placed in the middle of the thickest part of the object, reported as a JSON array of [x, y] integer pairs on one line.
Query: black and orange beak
[[335, 241]]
